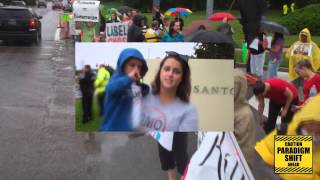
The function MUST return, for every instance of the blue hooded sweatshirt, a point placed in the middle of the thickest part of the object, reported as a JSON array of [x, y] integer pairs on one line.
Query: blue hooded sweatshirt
[[119, 99]]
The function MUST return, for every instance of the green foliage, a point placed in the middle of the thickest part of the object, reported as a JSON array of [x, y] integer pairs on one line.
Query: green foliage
[[214, 51], [276, 4], [302, 18]]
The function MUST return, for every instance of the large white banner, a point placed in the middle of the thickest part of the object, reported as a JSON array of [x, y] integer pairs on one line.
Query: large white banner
[[218, 157], [116, 32], [86, 11]]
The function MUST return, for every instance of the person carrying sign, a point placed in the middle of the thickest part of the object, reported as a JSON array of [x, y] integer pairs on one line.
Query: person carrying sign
[[88, 32], [305, 122], [306, 49], [114, 18]]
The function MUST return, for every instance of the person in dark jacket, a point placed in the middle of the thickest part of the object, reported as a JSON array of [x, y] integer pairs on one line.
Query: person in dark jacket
[[135, 33], [87, 89]]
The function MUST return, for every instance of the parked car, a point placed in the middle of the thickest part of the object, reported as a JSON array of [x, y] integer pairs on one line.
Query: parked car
[[18, 3], [19, 23], [57, 5], [42, 3]]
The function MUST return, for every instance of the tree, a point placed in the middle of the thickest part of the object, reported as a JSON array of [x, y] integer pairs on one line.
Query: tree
[[209, 7]]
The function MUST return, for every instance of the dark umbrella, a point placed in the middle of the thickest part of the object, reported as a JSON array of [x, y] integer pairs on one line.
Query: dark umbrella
[[273, 27], [208, 37], [124, 9]]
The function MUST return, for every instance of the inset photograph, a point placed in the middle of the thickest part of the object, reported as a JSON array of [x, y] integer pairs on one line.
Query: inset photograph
[[145, 87]]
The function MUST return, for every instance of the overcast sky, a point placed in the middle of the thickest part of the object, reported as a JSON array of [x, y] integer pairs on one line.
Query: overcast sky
[[108, 53]]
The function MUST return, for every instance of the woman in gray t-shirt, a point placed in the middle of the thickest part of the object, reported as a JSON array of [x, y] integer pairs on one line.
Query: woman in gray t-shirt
[[167, 108]]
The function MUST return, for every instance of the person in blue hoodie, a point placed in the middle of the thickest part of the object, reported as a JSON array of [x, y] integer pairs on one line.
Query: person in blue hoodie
[[123, 90]]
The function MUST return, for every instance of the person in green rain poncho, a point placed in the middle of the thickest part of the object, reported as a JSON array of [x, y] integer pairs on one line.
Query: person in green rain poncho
[[100, 84], [88, 31]]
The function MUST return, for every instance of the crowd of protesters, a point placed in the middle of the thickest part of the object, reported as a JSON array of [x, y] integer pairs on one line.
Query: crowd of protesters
[[162, 29], [285, 98]]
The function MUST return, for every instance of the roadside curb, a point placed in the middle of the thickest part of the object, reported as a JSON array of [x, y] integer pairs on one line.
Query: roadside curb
[[265, 68]]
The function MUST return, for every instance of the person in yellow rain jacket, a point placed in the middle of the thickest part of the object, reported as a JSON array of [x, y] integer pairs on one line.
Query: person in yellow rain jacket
[[304, 49], [100, 84], [285, 9], [153, 34], [305, 122]]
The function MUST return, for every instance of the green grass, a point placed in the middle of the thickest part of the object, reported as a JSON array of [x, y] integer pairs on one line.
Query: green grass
[[92, 125]]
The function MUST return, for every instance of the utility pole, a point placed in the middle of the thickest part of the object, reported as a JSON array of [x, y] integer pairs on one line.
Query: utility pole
[[209, 7]]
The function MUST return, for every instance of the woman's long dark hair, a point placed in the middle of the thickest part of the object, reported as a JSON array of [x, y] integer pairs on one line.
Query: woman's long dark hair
[[184, 88], [171, 30], [276, 37]]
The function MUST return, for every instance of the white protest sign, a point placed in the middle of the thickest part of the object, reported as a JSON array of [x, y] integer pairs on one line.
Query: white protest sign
[[86, 11], [165, 139], [255, 44], [218, 157], [302, 48], [269, 39], [116, 32], [72, 27]]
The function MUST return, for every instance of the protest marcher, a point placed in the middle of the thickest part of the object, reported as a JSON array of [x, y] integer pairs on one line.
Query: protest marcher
[[283, 97], [244, 122], [304, 122], [114, 18], [135, 33], [225, 27], [153, 34], [304, 49], [100, 83], [168, 106], [88, 32], [166, 24], [201, 27], [86, 87], [123, 89], [257, 56], [311, 85], [275, 55], [174, 34], [158, 17], [181, 22]]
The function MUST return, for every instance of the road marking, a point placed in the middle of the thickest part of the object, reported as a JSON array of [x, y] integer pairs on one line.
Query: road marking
[[57, 34]]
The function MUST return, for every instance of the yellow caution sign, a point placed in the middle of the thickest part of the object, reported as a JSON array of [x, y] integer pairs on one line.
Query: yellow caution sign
[[293, 154]]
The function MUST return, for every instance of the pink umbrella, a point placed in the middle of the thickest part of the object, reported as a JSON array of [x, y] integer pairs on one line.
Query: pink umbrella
[[219, 16]]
